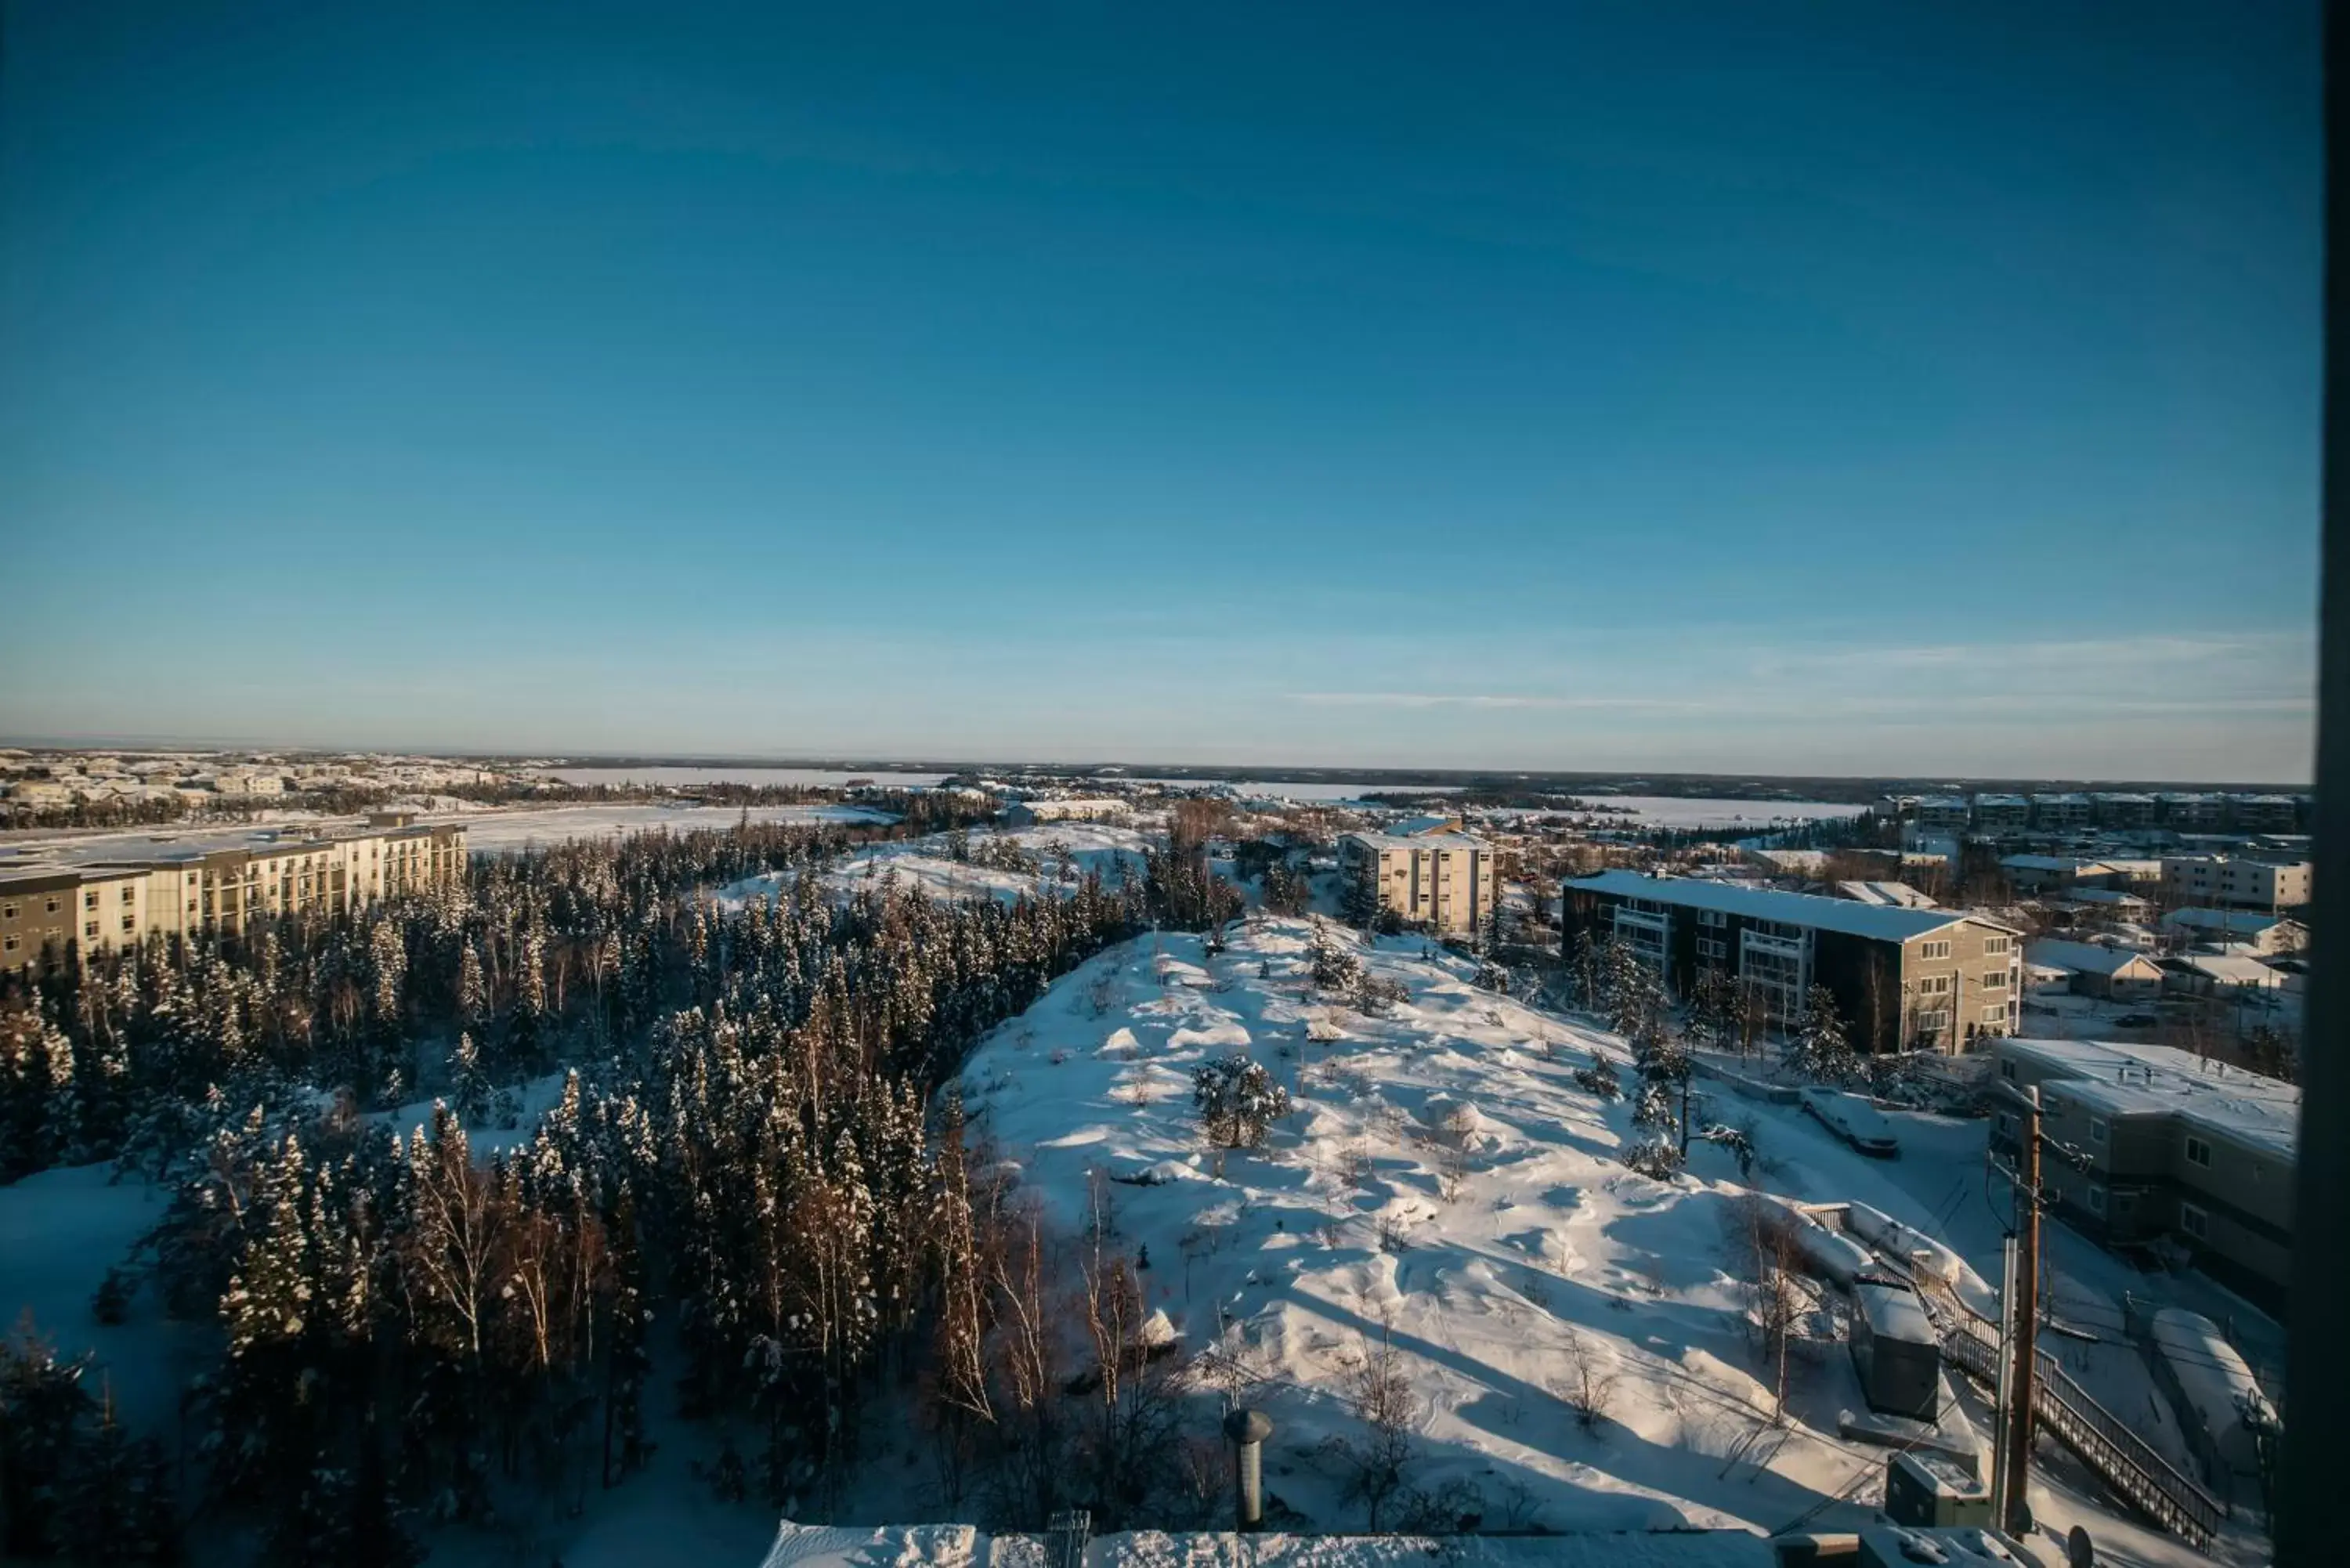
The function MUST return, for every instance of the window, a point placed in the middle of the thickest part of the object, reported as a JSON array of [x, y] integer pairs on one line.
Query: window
[[9, 945], [1712, 917], [130, 922], [2199, 1152], [127, 895], [8, 911], [2194, 1222], [89, 899], [1994, 980], [53, 906], [1933, 949], [90, 930], [2097, 1201], [1934, 985], [1994, 945], [2096, 1129]]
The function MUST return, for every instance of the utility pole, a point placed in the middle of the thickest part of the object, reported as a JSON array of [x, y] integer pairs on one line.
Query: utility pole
[[2024, 1318]]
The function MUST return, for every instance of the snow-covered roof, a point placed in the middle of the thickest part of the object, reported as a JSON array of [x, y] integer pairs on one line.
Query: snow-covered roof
[[2109, 896], [2232, 922], [2228, 968], [2051, 863], [1881, 922], [1421, 827], [1897, 894], [1420, 841], [2087, 958], [2130, 1077], [2002, 800]]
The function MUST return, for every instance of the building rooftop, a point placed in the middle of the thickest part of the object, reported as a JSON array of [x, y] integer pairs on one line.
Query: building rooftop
[[1897, 895], [1422, 840], [1881, 923], [2051, 863], [2132, 1079], [2231, 922], [2086, 958]]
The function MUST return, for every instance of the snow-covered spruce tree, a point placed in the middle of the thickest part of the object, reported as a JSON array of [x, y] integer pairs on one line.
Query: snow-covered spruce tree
[[1820, 1050], [1335, 965], [469, 1085], [1238, 1100]]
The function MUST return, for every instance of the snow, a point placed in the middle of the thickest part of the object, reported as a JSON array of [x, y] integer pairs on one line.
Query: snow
[[1879, 921], [60, 1230], [510, 832], [691, 777], [1342, 1230], [1092, 847], [2131, 1078], [955, 1546]]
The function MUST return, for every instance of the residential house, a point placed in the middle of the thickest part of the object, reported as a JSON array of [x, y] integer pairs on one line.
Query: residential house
[[2093, 969], [2265, 934]]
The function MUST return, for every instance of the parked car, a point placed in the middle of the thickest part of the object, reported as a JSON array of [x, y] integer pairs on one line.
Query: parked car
[[2138, 1020]]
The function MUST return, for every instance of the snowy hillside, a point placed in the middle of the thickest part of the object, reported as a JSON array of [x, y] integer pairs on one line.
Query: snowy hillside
[[1444, 1184]]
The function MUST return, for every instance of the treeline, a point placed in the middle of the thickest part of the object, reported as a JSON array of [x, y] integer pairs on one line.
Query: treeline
[[746, 1177]]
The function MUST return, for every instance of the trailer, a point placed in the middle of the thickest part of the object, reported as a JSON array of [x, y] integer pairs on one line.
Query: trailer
[[1895, 1349]]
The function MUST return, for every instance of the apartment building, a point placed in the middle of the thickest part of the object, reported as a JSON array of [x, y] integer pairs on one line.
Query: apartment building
[[2263, 813], [2190, 812], [1443, 880], [220, 889], [2122, 808], [2234, 882], [2002, 813], [2176, 1149], [2062, 812], [1944, 814], [1927, 979]]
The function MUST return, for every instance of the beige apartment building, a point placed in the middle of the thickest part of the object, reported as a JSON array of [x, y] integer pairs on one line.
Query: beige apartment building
[[2173, 1148], [221, 889], [2233, 882], [1442, 880]]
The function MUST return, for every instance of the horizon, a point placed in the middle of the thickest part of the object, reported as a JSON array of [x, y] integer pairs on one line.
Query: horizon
[[1142, 767], [1872, 393]]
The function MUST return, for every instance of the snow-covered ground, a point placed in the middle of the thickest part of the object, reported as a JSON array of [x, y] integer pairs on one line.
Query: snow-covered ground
[[1444, 1187], [1490, 1268], [960, 1546], [925, 862], [507, 832], [1485, 1267]]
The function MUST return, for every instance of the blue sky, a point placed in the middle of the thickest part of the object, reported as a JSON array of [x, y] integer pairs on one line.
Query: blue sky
[[1838, 388]]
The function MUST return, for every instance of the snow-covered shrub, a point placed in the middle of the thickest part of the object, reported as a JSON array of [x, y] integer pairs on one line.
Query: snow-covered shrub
[[1657, 1159], [1238, 1098], [1600, 1078], [1373, 994], [1335, 967]]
